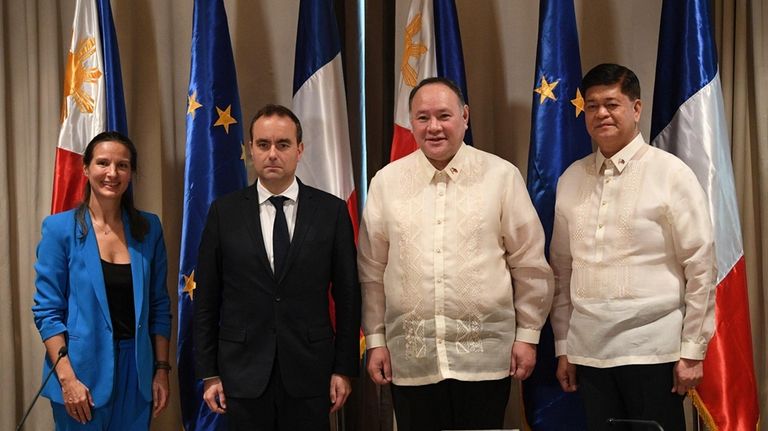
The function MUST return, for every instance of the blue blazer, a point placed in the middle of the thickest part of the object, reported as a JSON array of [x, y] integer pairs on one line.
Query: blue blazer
[[71, 299]]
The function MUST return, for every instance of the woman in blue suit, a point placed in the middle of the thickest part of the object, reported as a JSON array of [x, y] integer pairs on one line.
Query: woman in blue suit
[[101, 291]]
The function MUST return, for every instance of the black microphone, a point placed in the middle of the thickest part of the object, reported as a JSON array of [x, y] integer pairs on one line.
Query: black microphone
[[62, 353], [650, 424]]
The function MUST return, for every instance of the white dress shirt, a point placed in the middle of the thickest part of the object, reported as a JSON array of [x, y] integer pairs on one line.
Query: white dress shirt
[[452, 267], [267, 214], [632, 251]]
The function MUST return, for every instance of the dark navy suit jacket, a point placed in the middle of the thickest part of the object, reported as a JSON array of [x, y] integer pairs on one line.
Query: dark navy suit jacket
[[246, 316]]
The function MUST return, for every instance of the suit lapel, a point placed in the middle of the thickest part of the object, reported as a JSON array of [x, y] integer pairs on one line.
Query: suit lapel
[[253, 221], [136, 250], [90, 249], [307, 204]]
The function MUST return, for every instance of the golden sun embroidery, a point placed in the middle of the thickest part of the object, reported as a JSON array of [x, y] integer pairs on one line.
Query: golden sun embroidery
[[77, 74], [411, 49]]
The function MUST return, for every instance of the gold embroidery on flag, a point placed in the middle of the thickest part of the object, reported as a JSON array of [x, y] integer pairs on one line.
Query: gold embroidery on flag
[[77, 74], [412, 49]]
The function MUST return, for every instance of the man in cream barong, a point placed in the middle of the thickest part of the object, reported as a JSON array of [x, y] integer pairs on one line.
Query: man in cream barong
[[632, 252], [455, 283]]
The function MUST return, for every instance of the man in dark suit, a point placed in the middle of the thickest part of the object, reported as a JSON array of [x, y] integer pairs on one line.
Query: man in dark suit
[[264, 343]]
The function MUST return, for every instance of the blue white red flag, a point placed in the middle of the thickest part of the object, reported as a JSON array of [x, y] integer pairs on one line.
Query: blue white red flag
[[689, 121], [320, 102]]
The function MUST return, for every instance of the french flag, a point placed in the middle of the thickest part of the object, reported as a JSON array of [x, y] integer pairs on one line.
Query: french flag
[[432, 47], [320, 102], [689, 121], [93, 97]]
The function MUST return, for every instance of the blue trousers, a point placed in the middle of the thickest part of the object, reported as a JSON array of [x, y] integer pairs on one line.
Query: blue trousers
[[126, 409]]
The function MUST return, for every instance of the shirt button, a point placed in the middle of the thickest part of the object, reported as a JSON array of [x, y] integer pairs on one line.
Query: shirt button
[[439, 221], [277, 299], [604, 203], [441, 193], [600, 226], [437, 251]]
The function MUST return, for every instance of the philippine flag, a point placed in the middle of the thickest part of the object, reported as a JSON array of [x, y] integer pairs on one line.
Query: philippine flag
[[431, 47], [93, 97]]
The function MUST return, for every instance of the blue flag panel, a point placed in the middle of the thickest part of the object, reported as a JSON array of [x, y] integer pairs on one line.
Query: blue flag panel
[[317, 40], [113, 77], [448, 53], [558, 138], [215, 165], [689, 58]]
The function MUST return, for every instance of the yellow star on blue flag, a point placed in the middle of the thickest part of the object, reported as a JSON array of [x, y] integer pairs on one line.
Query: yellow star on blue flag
[[578, 102], [546, 90], [225, 118]]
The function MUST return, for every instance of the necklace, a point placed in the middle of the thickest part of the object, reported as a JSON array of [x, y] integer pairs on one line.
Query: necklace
[[104, 228]]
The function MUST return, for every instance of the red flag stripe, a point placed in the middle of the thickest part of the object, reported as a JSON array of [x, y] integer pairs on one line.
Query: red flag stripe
[[403, 143], [352, 208], [68, 181], [731, 344]]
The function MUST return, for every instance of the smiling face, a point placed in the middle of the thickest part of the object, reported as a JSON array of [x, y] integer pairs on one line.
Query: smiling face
[[438, 123], [611, 117], [109, 171], [275, 151]]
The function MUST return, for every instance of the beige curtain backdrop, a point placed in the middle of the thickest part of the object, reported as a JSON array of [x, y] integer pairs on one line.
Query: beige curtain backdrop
[[499, 41]]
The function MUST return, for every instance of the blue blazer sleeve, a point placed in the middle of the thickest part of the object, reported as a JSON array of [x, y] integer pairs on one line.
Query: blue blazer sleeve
[[159, 302], [52, 281]]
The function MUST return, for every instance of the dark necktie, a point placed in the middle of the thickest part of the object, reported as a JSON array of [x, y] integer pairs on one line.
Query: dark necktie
[[281, 240]]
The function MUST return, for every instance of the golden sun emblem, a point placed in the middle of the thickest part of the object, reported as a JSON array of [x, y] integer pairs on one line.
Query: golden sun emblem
[[411, 49], [77, 74]]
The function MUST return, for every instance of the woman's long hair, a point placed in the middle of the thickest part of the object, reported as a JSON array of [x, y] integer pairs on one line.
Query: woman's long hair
[[139, 225]]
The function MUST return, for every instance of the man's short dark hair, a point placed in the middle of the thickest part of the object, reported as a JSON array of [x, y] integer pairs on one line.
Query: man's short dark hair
[[609, 74], [272, 110], [437, 80]]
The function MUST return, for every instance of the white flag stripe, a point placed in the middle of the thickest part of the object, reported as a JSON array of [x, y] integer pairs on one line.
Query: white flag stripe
[[321, 106], [79, 127], [699, 126], [424, 64]]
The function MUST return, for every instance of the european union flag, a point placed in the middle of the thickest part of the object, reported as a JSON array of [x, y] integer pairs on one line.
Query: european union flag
[[558, 138], [215, 165]]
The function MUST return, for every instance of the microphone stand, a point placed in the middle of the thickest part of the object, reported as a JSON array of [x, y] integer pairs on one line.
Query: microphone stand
[[62, 353], [650, 424]]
